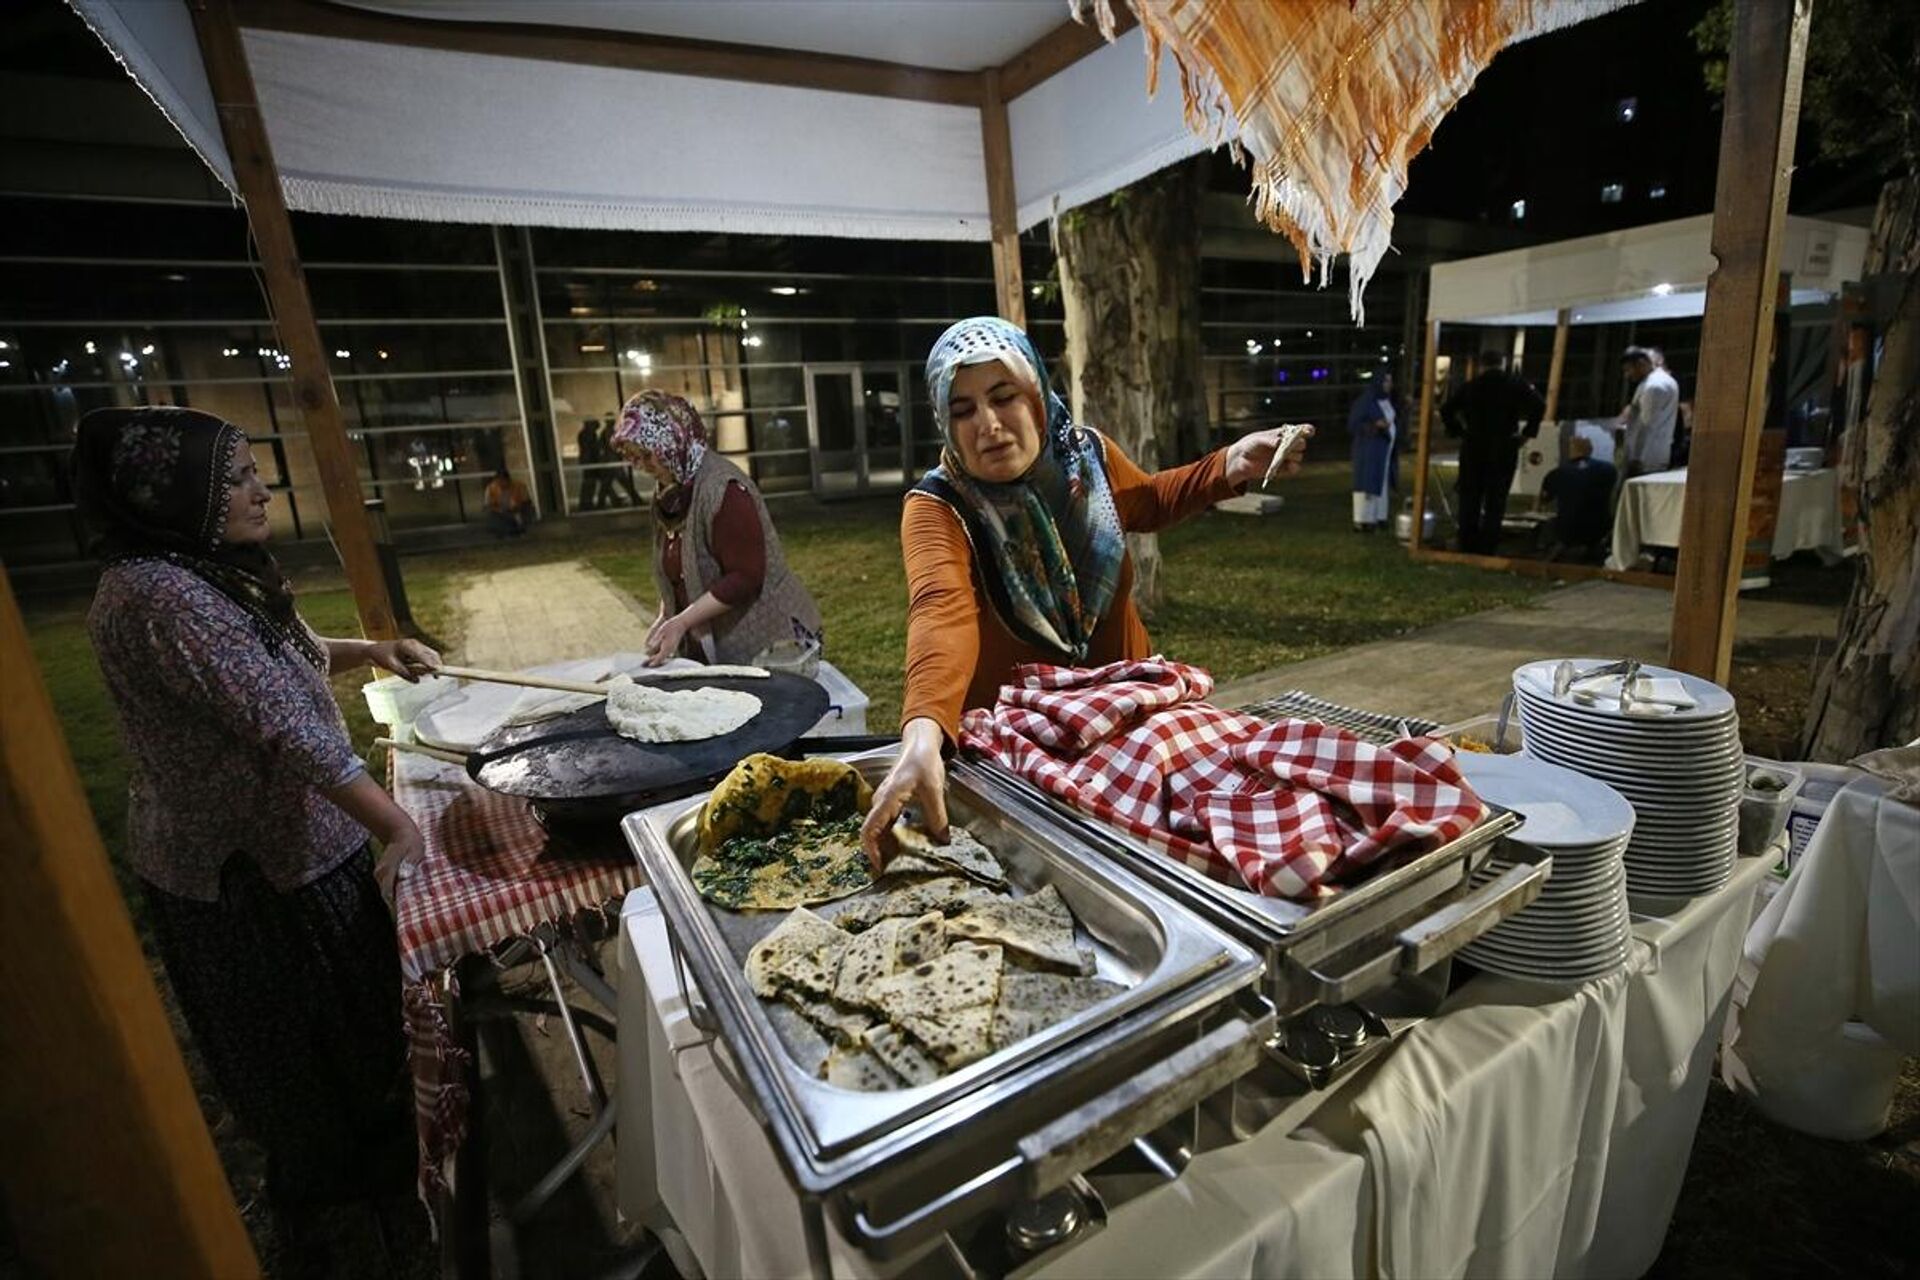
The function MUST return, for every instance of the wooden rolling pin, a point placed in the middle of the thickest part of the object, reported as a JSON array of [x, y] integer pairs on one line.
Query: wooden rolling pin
[[421, 749], [521, 678]]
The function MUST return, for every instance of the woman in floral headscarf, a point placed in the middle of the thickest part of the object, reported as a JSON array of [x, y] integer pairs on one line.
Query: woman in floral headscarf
[[726, 594], [250, 816], [1015, 546]]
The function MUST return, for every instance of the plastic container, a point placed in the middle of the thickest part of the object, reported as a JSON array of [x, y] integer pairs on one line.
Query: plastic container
[[1819, 784], [396, 703], [1766, 802]]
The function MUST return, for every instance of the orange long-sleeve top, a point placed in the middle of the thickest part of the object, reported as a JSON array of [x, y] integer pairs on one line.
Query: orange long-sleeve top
[[959, 651]]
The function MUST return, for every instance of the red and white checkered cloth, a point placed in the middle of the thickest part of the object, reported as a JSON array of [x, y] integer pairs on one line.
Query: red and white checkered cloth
[[1286, 809], [485, 877]]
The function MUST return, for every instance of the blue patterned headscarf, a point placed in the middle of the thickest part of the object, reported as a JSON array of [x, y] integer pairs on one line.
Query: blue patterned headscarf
[[1054, 534]]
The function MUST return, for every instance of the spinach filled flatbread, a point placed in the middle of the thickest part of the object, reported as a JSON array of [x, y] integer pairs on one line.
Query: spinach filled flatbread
[[1038, 925], [801, 934], [807, 863], [963, 854], [764, 794]]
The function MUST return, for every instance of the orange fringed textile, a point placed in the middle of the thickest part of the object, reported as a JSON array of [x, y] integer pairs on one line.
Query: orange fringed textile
[[1332, 99]]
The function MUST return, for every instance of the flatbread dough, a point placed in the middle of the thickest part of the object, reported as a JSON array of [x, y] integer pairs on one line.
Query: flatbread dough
[[1038, 925], [647, 714], [810, 862], [764, 793], [801, 934], [963, 854], [716, 671]]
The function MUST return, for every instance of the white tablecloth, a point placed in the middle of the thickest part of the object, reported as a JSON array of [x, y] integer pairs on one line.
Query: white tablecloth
[[1652, 505], [1525, 1131], [1829, 998]]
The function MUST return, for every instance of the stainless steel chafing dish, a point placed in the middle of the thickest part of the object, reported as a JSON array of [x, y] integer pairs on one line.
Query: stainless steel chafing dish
[[1402, 920], [900, 1170]]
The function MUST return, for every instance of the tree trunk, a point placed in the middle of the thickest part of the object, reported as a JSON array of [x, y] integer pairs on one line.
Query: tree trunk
[[1869, 695], [1130, 287]]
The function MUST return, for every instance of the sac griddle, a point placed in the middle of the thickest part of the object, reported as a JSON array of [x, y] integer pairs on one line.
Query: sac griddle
[[577, 769]]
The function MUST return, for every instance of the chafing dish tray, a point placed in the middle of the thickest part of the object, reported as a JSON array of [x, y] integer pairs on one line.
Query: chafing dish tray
[[1409, 915], [900, 1169]]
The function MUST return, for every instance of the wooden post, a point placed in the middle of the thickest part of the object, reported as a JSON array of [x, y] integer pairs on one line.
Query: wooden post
[[1009, 289], [259, 183], [1429, 371], [1762, 113], [109, 1169], [1557, 366]]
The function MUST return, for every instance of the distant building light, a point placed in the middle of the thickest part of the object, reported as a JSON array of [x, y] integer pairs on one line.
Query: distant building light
[[89, 348], [1661, 290], [1309, 333], [1283, 376], [1626, 109], [787, 290], [1253, 347], [343, 354], [5, 345], [1657, 192], [1517, 210], [6, 364], [1383, 360], [754, 341], [174, 277], [1612, 193], [590, 348], [383, 354]]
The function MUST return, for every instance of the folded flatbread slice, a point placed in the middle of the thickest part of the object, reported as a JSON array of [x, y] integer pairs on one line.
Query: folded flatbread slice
[[964, 979], [764, 793], [841, 1026], [857, 1068], [903, 1057], [919, 855], [1038, 925], [812, 974], [1032, 1002], [910, 897], [956, 1037], [801, 934], [880, 952]]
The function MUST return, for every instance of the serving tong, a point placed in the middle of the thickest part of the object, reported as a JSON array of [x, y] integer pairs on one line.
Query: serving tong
[[1567, 681]]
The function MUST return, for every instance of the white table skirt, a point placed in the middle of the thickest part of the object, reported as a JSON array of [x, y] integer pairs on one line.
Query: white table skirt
[[1828, 1001], [1652, 506], [1526, 1131]]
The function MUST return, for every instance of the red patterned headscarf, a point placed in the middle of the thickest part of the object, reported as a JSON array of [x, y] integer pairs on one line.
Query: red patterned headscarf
[[667, 427]]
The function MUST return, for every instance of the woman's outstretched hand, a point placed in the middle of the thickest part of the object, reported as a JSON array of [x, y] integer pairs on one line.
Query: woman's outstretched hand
[[1249, 457], [919, 777], [408, 659]]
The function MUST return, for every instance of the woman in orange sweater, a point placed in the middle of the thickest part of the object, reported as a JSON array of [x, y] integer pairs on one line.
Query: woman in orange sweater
[[1015, 547]]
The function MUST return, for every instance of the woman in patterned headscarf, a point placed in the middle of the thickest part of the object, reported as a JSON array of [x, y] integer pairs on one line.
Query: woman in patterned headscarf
[[250, 816], [1015, 546], [726, 593]]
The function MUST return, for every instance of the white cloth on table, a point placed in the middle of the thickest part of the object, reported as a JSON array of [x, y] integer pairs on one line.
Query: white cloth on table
[[1528, 1130], [1830, 991], [1652, 507]]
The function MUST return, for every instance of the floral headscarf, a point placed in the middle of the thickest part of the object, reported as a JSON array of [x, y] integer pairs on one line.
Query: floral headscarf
[[1054, 534], [667, 427], [151, 484]]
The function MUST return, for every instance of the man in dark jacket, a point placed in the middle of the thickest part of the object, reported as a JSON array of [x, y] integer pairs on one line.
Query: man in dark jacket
[[1493, 415]]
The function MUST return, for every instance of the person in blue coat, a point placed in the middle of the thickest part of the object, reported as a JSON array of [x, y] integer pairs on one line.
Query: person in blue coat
[[1374, 423]]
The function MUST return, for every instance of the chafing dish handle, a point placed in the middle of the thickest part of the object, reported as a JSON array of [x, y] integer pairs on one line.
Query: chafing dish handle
[[1422, 944], [1458, 923], [1084, 1137]]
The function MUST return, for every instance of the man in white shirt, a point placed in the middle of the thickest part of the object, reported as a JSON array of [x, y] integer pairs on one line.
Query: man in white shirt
[[1647, 423]]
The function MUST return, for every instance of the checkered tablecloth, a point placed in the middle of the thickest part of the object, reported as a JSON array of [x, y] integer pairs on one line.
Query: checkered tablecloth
[[486, 877], [1282, 808]]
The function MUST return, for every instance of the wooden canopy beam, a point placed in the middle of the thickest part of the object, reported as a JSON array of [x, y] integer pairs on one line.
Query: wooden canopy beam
[[1009, 285], [1762, 112], [1422, 445], [258, 181], [109, 1169], [627, 50], [1557, 366], [1054, 52]]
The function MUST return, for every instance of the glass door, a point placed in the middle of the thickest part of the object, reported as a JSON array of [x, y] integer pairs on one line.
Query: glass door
[[859, 424]]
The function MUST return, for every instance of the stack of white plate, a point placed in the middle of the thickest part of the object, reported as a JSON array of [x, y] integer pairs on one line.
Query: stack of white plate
[[1681, 767], [1578, 929]]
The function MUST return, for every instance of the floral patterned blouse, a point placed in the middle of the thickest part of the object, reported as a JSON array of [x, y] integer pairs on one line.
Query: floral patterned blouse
[[232, 741]]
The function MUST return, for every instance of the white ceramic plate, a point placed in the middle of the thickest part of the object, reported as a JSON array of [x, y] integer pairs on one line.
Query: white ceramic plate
[[1563, 809], [1709, 698]]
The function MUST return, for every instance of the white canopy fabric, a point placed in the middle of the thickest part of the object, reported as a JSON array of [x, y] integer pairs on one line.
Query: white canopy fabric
[[390, 130], [1654, 272]]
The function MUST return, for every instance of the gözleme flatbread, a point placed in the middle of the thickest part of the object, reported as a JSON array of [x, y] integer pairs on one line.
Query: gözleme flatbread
[[962, 853], [647, 714], [782, 833], [1038, 925]]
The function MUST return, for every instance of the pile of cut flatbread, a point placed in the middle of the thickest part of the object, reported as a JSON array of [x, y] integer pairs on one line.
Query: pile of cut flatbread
[[936, 966]]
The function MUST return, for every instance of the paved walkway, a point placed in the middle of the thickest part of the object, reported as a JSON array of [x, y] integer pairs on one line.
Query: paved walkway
[[520, 618], [1463, 668]]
